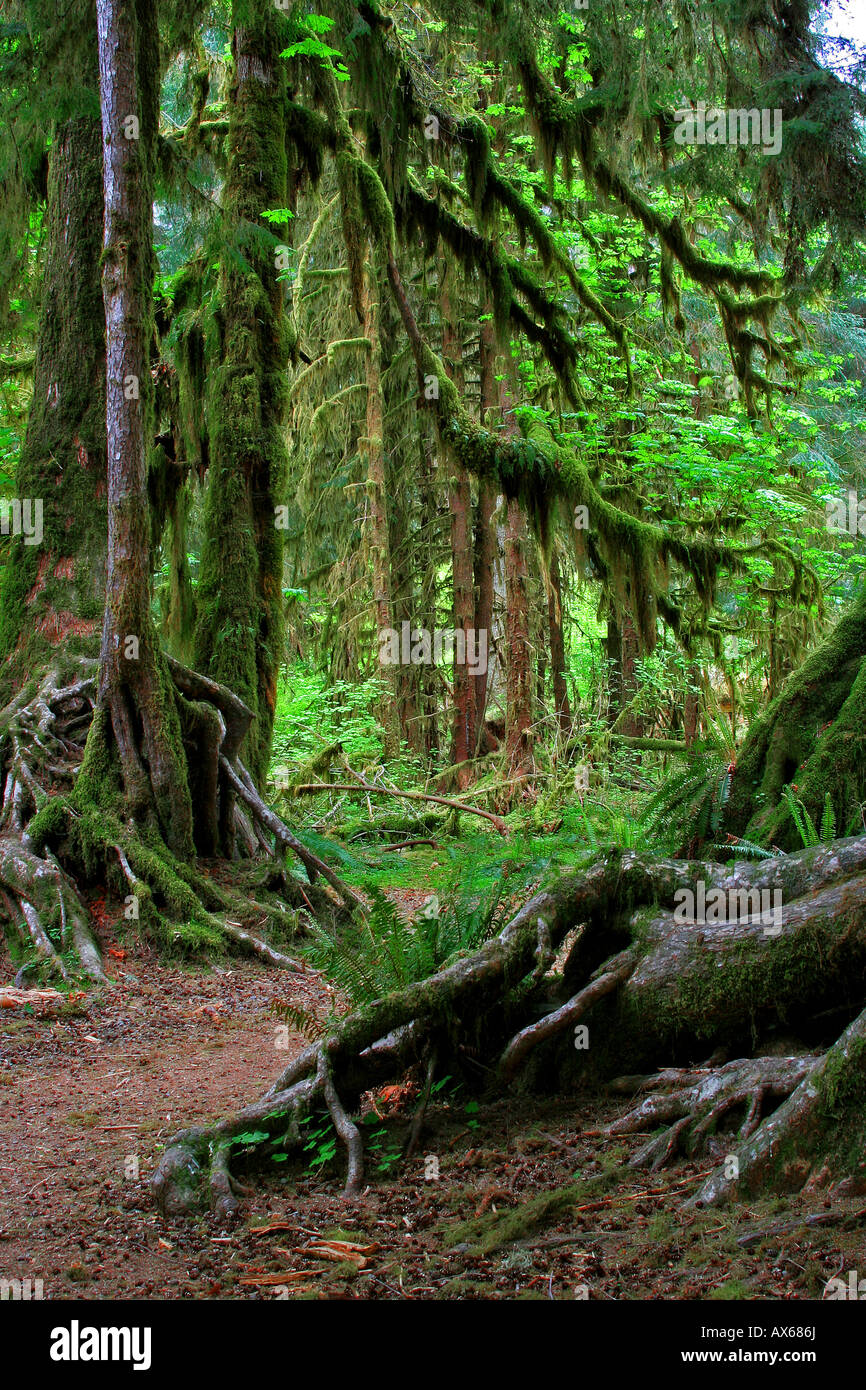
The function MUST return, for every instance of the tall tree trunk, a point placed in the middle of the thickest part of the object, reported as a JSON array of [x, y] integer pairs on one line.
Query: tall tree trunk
[[484, 560], [518, 716], [240, 631], [460, 508], [134, 687], [557, 647], [463, 733], [179, 610], [692, 703], [631, 724], [485, 534], [623, 648], [518, 719], [53, 583], [372, 448], [427, 498], [404, 603], [612, 644]]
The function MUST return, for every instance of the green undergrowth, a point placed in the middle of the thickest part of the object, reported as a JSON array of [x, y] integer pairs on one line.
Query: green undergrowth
[[387, 952], [494, 1229]]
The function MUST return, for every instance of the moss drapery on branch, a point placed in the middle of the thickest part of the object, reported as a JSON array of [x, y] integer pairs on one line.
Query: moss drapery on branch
[[538, 471], [379, 200]]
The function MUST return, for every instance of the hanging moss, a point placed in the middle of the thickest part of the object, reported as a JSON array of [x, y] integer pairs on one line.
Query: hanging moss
[[476, 140], [537, 471], [309, 134], [190, 319]]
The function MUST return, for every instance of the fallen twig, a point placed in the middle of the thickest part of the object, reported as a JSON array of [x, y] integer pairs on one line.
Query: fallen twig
[[311, 788]]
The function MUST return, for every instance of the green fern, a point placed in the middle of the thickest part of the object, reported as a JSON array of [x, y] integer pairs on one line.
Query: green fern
[[610, 829], [687, 809], [801, 818], [828, 820], [387, 952], [471, 915], [744, 849], [806, 829], [301, 1020]]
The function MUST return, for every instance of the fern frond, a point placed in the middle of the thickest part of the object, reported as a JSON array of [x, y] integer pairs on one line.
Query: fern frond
[[828, 820], [744, 848], [300, 1019], [802, 820]]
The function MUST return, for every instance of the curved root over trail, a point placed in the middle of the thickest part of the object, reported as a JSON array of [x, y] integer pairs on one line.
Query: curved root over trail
[[654, 987], [51, 837]]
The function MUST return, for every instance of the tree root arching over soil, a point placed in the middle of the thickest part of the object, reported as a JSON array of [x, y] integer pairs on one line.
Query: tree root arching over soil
[[657, 990], [52, 837]]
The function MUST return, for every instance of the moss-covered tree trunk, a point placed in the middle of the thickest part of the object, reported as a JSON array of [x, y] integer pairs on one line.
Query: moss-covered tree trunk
[[372, 450], [485, 532], [428, 680], [460, 508], [557, 647], [103, 762], [623, 648], [240, 630], [403, 596], [52, 594], [53, 582], [518, 651], [518, 718], [812, 737]]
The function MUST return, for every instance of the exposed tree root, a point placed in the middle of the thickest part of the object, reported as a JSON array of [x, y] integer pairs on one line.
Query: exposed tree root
[[63, 821], [606, 981], [696, 1101], [815, 1137], [657, 985], [39, 734], [240, 782]]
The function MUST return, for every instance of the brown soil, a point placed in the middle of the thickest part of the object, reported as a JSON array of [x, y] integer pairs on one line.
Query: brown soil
[[88, 1099]]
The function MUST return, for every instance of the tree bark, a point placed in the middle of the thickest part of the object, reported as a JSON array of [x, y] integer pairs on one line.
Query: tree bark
[[428, 685], [240, 631], [460, 507], [518, 720], [53, 585], [485, 533], [134, 686], [372, 447], [557, 647]]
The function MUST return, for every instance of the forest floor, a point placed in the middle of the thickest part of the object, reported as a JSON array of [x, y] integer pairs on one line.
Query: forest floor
[[89, 1096]]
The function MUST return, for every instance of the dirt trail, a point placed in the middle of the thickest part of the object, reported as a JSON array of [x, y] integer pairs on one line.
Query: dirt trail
[[86, 1101]]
